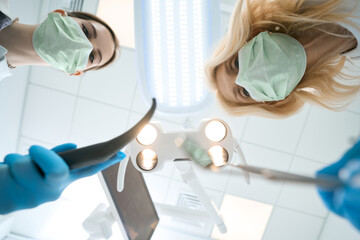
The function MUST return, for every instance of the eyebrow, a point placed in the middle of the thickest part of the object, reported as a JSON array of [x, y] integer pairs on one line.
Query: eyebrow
[[227, 69], [94, 30], [235, 92], [100, 56]]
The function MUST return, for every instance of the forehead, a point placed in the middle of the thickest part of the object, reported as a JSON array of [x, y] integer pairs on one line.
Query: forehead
[[103, 41]]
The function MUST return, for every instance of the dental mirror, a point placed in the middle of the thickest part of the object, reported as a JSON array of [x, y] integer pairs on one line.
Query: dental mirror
[[101, 152]]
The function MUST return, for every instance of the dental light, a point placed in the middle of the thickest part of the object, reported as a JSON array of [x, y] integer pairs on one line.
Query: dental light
[[215, 131], [173, 40], [219, 156], [147, 135], [213, 135], [146, 160], [154, 147]]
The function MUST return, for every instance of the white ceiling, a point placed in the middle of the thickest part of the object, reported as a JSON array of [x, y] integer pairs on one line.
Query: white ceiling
[[102, 104]]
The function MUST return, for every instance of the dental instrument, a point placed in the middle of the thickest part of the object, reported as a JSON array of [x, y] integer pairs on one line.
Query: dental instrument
[[323, 181], [215, 163], [101, 152]]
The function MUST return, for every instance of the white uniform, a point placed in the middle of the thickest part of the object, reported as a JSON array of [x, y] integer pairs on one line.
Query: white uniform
[[4, 69], [4, 7]]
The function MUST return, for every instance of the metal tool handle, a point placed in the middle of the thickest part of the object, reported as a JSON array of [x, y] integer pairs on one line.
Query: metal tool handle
[[323, 181]]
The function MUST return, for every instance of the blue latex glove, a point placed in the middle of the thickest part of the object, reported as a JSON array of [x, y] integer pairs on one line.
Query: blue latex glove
[[345, 200], [24, 184]]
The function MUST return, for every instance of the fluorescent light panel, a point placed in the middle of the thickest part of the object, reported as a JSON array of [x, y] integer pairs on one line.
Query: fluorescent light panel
[[178, 35]]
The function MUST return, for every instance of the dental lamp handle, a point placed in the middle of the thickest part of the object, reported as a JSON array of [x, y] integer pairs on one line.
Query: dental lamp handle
[[121, 172]]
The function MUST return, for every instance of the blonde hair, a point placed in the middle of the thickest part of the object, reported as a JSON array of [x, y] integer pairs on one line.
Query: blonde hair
[[250, 17]]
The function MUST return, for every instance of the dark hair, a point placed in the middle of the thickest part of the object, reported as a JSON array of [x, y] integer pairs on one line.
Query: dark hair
[[89, 16]]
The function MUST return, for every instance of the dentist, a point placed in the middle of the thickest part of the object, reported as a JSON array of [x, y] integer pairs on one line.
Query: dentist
[[280, 54], [72, 42]]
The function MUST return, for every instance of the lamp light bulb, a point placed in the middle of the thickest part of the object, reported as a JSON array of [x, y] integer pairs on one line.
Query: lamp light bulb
[[147, 160], [215, 131], [218, 155], [147, 135]]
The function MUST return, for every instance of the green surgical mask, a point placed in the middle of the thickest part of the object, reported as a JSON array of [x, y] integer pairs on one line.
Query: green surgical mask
[[270, 66], [61, 42]]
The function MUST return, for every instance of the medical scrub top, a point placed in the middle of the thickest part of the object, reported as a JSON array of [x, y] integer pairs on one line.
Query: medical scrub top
[[5, 21]]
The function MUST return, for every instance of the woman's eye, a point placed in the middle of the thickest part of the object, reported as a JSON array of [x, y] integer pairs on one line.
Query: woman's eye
[[245, 92], [236, 63], [91, 57], [85, 31]]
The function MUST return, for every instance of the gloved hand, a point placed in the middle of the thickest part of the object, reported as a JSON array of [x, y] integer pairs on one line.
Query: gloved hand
[[345, 200], [27, 181]]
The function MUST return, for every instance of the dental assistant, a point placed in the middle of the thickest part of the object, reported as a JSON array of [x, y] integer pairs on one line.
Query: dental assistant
[[279, 54], [72, 42]]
